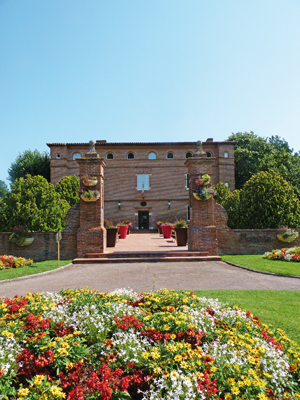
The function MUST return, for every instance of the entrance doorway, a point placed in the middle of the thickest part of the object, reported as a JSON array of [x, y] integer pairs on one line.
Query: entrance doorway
[[143, 219]]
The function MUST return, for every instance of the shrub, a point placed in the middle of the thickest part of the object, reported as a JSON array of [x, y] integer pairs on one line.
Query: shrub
[[221, 192], [232, 207], [68, 188], [268, 201], [33, 202]]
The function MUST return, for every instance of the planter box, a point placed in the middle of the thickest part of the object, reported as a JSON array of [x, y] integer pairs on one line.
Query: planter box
[[181, 236], [111, 237], [167, 231], [123, 231]]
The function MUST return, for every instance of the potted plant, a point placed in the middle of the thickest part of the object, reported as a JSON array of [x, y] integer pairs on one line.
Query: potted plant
[[129, 224], [123, 228], [180, 228], [286, 234], [21, 236], [167, 228], [89, 180], [89, 195], [111, 233], [159, 224], [202, 192]]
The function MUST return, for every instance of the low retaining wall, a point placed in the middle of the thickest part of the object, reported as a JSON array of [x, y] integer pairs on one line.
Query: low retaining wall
[[250, 241], [44, 246]]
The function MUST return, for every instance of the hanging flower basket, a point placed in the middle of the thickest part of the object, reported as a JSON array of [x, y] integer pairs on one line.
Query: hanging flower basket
[[286, 234], [197, 197], [89, 195], [202, 192], [93, 198], [25, 242], [90, 182]]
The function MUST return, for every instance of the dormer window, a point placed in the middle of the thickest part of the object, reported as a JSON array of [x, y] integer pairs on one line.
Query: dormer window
[[130, 156], [170, 155]]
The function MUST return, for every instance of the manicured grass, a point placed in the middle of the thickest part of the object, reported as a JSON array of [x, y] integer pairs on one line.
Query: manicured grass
[[35, 268], [258, 263], [279, 308]]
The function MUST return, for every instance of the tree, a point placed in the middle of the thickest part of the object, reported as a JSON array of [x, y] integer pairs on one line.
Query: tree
[[222, 192], [254, 154], [3, 188], [33, 202], [267, 201], [68, 187], [32, 163], [232, 207]]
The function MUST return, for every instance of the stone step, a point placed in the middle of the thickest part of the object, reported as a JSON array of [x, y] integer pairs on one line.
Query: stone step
[[144, 259], [148, 254]]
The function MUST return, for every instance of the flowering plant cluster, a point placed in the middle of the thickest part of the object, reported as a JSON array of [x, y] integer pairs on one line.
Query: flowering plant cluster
[[286, 232], [202, 180], [108, 224], [7, 262], [291, 254], [202, 192], [19, 234], [89, 193], [88, 177], [128, 223], [82, 344]]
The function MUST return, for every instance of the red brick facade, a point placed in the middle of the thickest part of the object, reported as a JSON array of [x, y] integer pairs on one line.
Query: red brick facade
[[167, 198]]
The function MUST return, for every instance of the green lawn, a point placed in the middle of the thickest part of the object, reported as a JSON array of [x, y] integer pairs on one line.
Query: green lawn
[[35, 268], [258, 263], [279, 308]]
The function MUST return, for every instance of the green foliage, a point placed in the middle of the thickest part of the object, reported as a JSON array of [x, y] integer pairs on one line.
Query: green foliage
[[3, 188], [30, 162], [268, 201], [221, 192], [254, 154], [68, 188], [232, 207], [33, 202]]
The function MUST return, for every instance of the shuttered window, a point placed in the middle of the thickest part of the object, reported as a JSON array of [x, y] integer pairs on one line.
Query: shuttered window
[[143, 182]]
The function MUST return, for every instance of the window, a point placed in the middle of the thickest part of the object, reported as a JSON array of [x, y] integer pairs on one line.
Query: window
[[143, 182], [170, 155], [226, 184], [187, 181], [226, 154], [188, 154], [76, 155], [130, 156], [58, 156], [109, 156], [209, 154], [188, 212], [152, 156]]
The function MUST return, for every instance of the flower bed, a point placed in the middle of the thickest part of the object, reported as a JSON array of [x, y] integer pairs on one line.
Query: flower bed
[[7, 262], [291, 254], [81, 344]]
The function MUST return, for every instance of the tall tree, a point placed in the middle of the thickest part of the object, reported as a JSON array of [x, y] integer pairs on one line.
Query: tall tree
[[68, 187], [3, 188], [32, 163]]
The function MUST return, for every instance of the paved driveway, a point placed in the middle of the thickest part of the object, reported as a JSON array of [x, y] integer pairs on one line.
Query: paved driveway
[[147, 276]]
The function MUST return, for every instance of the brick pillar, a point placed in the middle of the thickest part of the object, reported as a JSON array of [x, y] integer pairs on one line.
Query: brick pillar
[[91, 235], [202, 232]]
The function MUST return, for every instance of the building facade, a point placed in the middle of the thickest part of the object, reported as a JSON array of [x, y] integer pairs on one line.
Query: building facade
[[145, 182]]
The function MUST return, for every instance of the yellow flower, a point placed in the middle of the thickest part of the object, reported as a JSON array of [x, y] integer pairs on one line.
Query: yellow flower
[[23, 392], [235, 390]]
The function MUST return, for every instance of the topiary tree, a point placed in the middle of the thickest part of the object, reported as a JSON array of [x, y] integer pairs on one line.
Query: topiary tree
[[221, 192], [68, 187], [232, 206], [268, 201], [33, 202]]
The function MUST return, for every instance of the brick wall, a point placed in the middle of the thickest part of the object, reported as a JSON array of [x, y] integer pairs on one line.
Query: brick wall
[[250, 241], [44, 246]]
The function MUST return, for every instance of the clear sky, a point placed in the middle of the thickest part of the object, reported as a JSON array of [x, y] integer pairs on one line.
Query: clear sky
[[146, 70]]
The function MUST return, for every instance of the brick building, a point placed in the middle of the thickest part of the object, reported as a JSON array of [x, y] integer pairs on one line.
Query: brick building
[[145, 182]]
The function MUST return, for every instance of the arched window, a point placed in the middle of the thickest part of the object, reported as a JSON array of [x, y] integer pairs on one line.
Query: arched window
[[209, 154], [109, 156], [226, 184], [58, 156], [226, 154], [76, 155], [152, 156], [170, 155], [188, 154], [130, 156]]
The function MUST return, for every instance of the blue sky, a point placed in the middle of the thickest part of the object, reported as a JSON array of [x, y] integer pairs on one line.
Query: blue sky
[[146, 70]]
